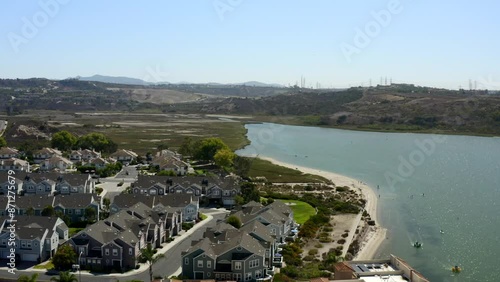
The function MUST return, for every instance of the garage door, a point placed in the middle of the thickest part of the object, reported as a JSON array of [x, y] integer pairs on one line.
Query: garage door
[[29, 257]]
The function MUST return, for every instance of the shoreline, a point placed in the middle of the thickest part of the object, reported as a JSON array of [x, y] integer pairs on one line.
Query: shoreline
[[377, 234]]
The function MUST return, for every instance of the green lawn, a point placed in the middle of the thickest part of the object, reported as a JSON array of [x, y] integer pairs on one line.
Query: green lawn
[[74, 230], [277, 173], [301, 210], [47, 265]]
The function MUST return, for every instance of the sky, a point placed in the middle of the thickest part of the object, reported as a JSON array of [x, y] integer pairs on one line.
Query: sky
[[331, 43]]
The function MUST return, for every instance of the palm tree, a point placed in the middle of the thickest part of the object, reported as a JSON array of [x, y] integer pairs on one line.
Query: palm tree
[[65, 276], [25, 278], [148, 255]]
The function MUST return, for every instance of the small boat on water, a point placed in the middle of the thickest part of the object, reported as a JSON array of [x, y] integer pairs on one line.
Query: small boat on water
[[417, 244], [456, 269]]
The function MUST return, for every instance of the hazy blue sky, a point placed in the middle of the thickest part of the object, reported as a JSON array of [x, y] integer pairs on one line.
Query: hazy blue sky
[[437, 43]]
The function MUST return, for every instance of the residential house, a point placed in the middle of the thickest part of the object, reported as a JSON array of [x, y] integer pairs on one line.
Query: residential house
[[116, 243], [124, 156], [45, 153], [74, 205], [277, 217], [39, 184], [223, 192], [36, 238], [171, 163], [83, 156], [36, 203], [151, 185], [14, 164], [56, 163], [74, 183], [98, 163], [14, 182], [187, 204], [8, 153], [225, 255]]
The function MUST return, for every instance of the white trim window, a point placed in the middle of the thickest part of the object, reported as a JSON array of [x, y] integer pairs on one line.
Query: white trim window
[[186, 261], [200, 263], [237, 265], [115, 252], [248, 276], [209, 264]]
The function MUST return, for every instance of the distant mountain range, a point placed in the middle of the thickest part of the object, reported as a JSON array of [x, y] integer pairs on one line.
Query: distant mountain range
[[136, 81]]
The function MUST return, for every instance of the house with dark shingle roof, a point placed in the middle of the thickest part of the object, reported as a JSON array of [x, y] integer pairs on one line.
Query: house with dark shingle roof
[[116, 243], [124, 156], [39, 184], [74, 205], [227, 254], [222, 191], [74, 183], [36, 238], [23, 203], [57, 163], [277, 217], [170, 163], [187, 204], [16, 187]]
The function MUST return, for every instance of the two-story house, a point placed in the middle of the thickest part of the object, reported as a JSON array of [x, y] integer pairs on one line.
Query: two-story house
[[39, 184], [14, 182], [14, 164], [75, 205], [151, 185], [116, 243], [45, 153], [225, 255], [74, 183], [124, 156], [56, 163], [8, 153], [277, 217], [36, 238], [170, 163], [187, 204]]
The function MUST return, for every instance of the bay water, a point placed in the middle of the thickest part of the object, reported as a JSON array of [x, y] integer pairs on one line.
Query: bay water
[[442, 191]]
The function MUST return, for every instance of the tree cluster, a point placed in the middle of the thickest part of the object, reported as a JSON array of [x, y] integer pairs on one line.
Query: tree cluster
[[64, 141]]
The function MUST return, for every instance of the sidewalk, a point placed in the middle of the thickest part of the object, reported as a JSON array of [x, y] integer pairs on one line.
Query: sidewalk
[[143, 266]]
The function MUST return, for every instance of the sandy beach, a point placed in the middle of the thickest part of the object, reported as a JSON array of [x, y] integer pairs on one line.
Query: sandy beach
[[377, 234]]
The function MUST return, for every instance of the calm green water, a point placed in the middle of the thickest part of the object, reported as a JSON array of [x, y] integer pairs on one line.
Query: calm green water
[[428, 183]]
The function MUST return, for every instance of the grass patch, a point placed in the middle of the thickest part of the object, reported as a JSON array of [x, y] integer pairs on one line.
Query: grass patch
[[47, 265], [277, 173], [301, 210], [74, 230], [203, 216]]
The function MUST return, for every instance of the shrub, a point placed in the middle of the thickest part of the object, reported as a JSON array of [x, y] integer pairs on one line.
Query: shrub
[[309, 258], [313, 252], [344, 235], [341, 241], [318, 245]]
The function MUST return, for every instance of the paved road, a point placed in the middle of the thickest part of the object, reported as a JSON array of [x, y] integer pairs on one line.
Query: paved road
[[167, 266], [128, 175]]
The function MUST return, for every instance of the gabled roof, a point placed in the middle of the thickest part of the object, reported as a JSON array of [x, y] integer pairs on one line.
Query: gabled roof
[[57, 159], [170, 200], [73, 179], [8, 151], [14, 162], [74, 201], [46, 151], [34, 201], [124, 153], [32, 227], [50, 177], [147, 181], [19, 176]]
